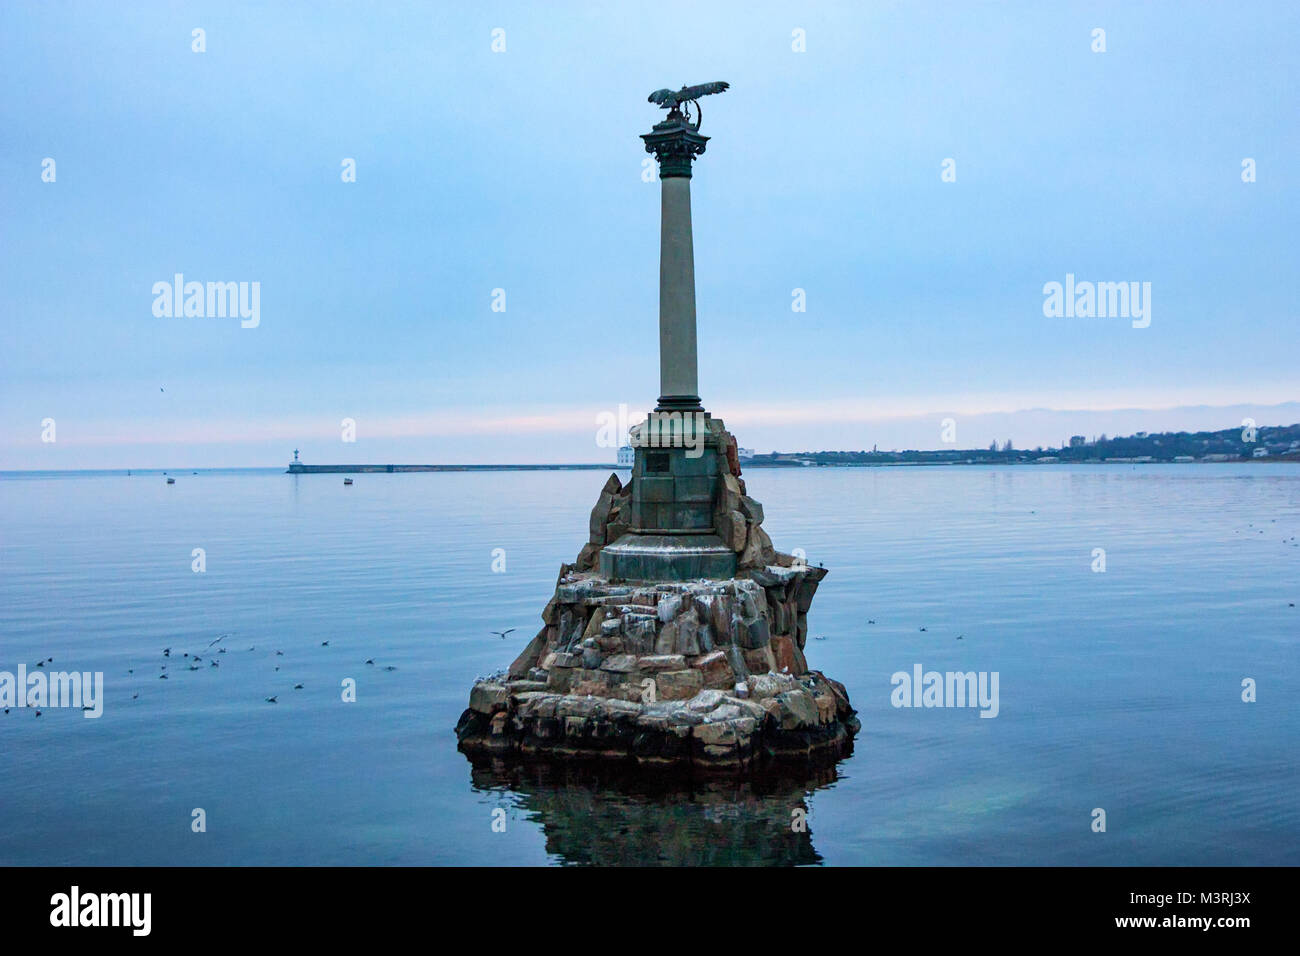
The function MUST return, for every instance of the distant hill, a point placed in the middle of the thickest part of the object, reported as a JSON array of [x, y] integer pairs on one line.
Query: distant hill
[[1272, 443]]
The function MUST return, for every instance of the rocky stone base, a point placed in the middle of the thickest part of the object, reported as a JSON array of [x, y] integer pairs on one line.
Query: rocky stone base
[[706, 675], [711, 731]]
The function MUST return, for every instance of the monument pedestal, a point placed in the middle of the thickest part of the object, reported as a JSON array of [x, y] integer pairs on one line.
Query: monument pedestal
[[671, 534]]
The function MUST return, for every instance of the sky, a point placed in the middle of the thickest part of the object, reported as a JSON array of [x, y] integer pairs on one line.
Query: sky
[[521, 170]]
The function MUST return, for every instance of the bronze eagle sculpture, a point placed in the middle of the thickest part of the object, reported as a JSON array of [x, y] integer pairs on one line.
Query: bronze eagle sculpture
[[672, 99]]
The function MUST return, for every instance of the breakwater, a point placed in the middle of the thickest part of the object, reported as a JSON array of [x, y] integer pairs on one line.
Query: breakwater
[[300, 469]]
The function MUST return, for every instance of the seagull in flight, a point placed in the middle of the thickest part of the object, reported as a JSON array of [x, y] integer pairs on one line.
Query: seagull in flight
[[502, 634]]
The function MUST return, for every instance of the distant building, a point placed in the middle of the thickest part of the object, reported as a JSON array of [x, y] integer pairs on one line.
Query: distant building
[[1184, 458], [1261, 452], [745, 453], [626, 456]]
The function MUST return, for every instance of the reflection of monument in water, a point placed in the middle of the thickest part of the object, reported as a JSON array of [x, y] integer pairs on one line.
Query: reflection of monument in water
[[596, 814], [677, 636]]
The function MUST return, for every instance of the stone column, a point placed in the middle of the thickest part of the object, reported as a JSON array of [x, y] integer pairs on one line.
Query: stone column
[[678, 361], [675, 143]]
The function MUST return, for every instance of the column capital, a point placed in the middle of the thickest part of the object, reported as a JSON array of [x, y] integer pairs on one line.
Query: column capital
[[675, 143]]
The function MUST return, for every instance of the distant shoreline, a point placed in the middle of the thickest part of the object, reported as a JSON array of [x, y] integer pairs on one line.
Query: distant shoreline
[[1272, 443], [750, 465], [1279, 459], [394, 469]]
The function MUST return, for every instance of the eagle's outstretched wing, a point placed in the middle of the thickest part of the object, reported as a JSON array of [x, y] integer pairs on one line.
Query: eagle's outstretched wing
[[702, 89], [671, 98]]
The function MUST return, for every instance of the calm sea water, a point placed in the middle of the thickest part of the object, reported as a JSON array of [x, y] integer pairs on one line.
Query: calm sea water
[[1119, 690]]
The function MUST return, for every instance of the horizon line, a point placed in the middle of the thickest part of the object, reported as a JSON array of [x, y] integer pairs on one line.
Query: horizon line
[[448, 424]]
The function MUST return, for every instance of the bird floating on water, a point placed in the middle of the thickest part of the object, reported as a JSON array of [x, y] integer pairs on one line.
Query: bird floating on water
[[272, 700]]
